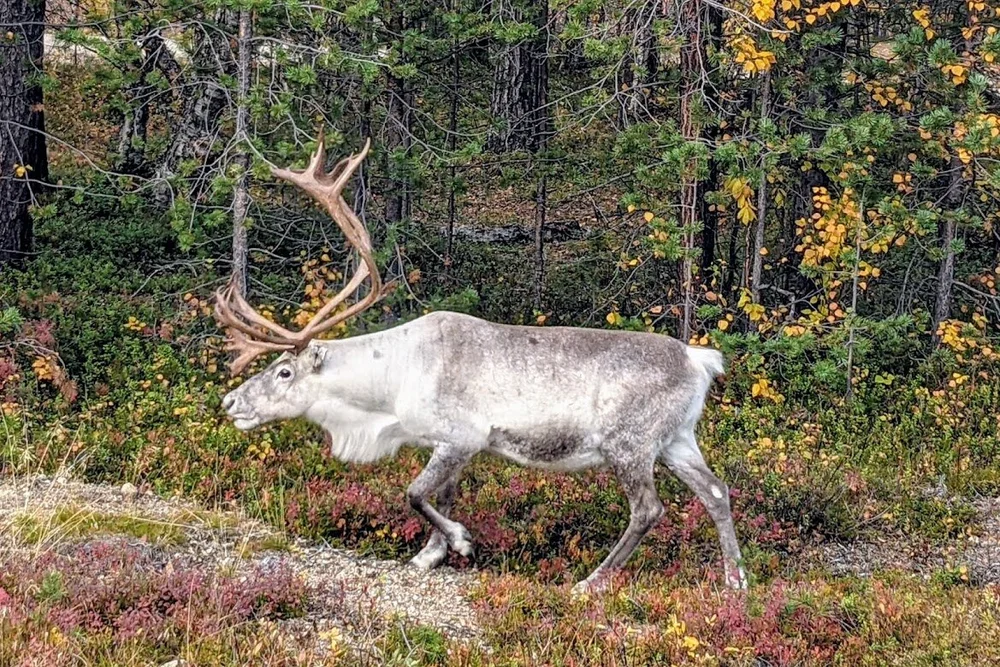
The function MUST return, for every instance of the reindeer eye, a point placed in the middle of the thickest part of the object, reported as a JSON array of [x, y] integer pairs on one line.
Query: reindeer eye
[[284, 373]]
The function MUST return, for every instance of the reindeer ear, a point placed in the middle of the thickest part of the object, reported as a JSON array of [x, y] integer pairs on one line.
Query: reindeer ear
[[315, 355]]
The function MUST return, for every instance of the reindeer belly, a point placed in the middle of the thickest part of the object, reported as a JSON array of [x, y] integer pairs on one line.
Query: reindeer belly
[[549, 449]]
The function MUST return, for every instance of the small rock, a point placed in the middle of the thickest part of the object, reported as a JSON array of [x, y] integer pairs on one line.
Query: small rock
[[129, 490], [62, 479], [176, 663]]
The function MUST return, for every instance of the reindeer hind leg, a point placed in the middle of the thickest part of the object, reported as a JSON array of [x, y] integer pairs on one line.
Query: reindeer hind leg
[[685, 460]]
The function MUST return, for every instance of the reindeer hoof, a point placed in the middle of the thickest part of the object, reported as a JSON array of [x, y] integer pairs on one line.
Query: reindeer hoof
[[428, 560], [587, 587], [737, 580], [464, 547], [462, 543]]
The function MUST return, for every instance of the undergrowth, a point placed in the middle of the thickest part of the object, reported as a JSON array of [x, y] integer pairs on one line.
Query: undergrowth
[[114, 370]]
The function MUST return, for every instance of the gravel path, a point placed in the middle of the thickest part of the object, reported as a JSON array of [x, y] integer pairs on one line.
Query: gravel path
[[975, 557], [343, 587]]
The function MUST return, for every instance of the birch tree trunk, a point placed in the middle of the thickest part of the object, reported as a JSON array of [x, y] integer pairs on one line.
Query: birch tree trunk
[[691, 67], [241, 196], [947, 232], [756, 274]]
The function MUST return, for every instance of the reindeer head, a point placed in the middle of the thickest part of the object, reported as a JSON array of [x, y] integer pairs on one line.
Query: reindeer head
[[284, 389]]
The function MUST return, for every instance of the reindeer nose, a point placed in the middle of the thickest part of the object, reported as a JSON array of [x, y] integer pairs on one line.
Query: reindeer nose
[[227, 401]]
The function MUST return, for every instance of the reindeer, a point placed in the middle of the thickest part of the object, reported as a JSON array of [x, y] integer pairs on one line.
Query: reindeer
[[555, 398]]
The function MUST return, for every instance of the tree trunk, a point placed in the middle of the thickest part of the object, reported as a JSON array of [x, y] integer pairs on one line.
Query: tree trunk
[[955, 199], [691, 68], [130, 156], [520, 74], [23, 158], [541, 200], [452, 173], [397, 204], [398, 135], [194, 129], [756, 275], [541, 129], [855, 280], [241, 196], [708, 215], [947, 232], [638, 66]]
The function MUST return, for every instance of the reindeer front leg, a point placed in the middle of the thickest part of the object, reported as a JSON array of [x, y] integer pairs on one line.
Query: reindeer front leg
[[442, 470], [436, 550]]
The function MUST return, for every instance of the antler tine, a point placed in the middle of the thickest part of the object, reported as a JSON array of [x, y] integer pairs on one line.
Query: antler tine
[[236, 316], [362, 242], [326, 189], [352, 164], [249, 350], [251, 342], [251, 333]]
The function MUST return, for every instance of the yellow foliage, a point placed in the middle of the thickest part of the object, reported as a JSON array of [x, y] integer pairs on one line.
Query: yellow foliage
[[45, 368], [753, 59], [763, 10], [764, 389], [135, 324], [966, 337], [887, 94], [739, 189], [958, 73]]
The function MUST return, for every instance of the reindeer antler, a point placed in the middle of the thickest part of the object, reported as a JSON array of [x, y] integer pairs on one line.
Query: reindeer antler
[[251, 334]]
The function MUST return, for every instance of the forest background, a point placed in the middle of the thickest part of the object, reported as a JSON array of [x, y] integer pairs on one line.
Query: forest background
[[812, 187]]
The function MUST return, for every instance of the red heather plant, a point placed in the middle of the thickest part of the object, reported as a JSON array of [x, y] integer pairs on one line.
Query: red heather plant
[[111, 588], [8, 371], [39, 332], [781, 624]]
